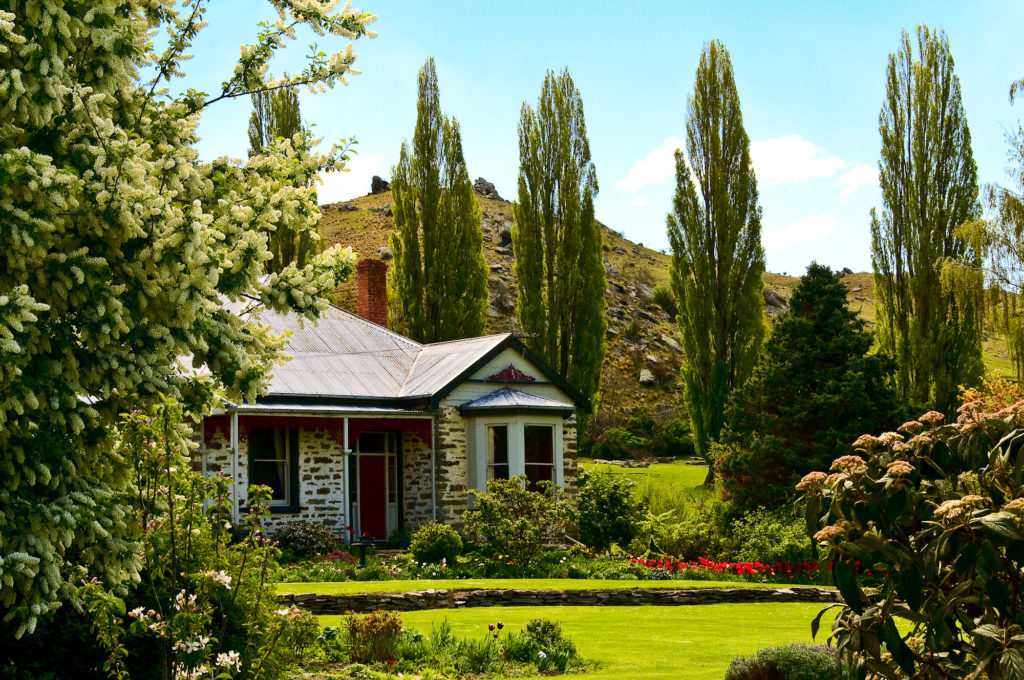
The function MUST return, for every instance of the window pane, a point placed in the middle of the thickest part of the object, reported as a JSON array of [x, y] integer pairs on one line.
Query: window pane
[[392, 479], [268, 456], [497, 449], [497, 452], [539, 444], [539, 473], [373, 442]]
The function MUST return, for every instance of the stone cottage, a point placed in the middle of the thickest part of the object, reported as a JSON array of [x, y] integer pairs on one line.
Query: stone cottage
[[365, 428]]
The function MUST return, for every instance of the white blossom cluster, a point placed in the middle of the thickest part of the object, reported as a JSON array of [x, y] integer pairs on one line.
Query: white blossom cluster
[[118, 251]]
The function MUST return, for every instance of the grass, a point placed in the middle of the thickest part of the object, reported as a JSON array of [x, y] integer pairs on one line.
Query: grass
[[351, 587], [646, 643], [666, 486]]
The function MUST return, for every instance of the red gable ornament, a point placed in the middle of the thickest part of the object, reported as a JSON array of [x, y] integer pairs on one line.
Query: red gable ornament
[[511, 374]]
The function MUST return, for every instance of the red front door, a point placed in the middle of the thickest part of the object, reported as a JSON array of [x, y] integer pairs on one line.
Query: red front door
[[373, 497]]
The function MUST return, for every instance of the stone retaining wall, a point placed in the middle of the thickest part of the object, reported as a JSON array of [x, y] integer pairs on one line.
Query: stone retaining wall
[[451, 599]]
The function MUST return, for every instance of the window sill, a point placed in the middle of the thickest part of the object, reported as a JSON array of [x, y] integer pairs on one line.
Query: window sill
[[284, 509]]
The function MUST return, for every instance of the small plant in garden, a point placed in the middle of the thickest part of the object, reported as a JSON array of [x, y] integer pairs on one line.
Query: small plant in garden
[[938, 510], [305, 539], [435, 543], [514, 522], [793, 662], [373, 637]]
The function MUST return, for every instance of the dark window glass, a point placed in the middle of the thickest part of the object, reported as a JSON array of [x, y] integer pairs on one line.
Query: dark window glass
[[539, 450], [497, 452], [373, 442], [269, 462]]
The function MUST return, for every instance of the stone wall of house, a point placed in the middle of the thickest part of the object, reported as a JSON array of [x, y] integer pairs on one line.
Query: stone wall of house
[[570, 476], [452, 466], [417, 508], [322, 490]]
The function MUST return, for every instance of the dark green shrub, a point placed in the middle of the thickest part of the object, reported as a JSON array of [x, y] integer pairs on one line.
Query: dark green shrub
[[672, 438], [618, 443], [663, 297], [609, 511], [433, 543], [542, 642], [373, 637], [795, 662], [305, 539]]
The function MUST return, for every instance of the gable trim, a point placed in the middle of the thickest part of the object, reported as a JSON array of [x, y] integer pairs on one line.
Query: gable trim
[[516, 344]]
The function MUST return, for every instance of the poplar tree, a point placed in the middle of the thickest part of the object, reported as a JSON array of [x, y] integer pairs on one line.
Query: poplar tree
[[275, 119], [438, 286], [717, 258], [927, 304], [559, 265]]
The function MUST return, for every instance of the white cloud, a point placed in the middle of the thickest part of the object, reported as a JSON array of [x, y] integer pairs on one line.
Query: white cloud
[[640, 202], [858, 176], [656, 167], [812, 230], [792, 159], [344, 186]]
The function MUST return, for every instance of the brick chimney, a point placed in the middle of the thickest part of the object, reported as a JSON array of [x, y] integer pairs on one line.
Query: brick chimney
[[373, 290]]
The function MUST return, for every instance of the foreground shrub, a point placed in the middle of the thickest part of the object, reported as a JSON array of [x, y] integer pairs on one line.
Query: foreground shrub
[[795, 662], [609, 512], [373, 637], [433, 543], [305, 539], [511, 520], [938, 510]]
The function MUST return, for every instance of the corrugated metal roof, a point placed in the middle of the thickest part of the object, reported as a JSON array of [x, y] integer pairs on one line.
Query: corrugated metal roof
[[508, 398], [438, 363], [345, 356]]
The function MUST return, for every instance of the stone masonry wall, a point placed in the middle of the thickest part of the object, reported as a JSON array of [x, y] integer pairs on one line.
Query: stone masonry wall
[[416, 481], [452, 466], [570, 474], [451, 599], [321, 477]]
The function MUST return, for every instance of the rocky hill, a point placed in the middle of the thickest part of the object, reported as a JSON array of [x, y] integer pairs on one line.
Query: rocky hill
[[644, 352]]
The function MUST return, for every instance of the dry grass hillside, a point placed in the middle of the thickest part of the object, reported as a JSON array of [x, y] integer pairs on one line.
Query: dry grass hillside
[[640, 333]]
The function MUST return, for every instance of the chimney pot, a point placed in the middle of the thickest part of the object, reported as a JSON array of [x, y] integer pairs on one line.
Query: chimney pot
[[373, 290]]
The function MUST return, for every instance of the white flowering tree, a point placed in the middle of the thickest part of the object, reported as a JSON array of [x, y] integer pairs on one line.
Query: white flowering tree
[[117, 250]]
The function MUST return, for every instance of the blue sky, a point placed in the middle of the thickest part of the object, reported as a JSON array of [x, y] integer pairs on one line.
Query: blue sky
[[810, 75]]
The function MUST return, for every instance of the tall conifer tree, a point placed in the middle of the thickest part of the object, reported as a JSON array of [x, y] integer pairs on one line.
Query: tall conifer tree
[[717, 258], [276, 114], [438, 286], [556, 239], [927, 308]]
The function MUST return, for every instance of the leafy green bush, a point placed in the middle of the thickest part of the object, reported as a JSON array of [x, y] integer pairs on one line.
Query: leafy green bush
[[672, 438], [373, 637], [434, 543], [794, 662], [512, 521], [770, 536], [542, 643], [609, 512], [617, 443], [939, 509], [305, 539], [663, 297]]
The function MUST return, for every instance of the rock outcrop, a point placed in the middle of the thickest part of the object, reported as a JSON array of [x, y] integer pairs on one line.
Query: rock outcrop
[[486, 189], [378, 185]]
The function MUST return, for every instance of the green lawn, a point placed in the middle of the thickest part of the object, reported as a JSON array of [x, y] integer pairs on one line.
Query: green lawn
[[646, 643], [664, 485], [348, 587]]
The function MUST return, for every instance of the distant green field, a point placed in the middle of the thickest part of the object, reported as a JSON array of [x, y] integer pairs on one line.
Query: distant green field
[[664, 485], [646, 643], [350, 587]]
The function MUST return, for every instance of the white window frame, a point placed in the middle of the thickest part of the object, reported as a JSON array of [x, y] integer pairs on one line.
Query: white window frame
[[516, 423]]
